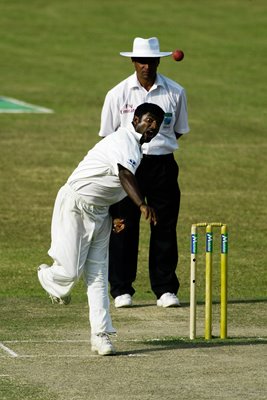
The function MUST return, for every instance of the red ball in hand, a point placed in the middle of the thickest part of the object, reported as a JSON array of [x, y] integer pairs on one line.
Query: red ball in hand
[[177, 55]]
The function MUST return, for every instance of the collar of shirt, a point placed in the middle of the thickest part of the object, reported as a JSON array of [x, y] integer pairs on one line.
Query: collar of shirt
[[134, 82], [137, 135]]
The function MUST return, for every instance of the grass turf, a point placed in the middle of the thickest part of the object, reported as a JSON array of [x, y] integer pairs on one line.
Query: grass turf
[[65, 56]]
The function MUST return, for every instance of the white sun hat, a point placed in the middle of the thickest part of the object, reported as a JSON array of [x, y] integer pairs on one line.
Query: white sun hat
[[146, 48]]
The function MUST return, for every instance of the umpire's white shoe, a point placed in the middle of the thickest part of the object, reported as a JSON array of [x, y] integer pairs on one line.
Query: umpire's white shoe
[[55, 300], [102, 345], [125, 300], [168, 300]]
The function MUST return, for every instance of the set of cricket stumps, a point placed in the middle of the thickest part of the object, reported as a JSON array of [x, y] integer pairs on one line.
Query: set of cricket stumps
[[208, 278]]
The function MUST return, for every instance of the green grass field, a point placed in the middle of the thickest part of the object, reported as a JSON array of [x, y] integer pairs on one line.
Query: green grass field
[[64, 55]]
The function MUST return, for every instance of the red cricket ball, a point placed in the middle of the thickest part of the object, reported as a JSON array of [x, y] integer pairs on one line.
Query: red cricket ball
[[177, 55]]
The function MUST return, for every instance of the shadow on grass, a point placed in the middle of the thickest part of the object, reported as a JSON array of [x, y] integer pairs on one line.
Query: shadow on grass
[[233, 301], [186, 304], [185, 343]]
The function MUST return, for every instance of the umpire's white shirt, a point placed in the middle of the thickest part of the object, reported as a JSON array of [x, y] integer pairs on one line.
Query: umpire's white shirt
[[96, 177], [121, 102]]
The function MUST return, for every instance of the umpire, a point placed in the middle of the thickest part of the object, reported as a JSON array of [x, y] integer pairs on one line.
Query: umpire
[[157, 176]]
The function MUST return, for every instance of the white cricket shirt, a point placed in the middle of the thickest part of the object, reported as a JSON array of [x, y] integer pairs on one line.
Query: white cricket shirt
[[96, 177], [121, 102]]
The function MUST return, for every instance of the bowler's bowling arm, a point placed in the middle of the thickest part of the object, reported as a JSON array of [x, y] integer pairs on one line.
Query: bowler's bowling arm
[[130, 185]]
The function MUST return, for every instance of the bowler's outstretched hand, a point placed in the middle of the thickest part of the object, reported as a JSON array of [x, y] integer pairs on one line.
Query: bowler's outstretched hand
[[149, 214]]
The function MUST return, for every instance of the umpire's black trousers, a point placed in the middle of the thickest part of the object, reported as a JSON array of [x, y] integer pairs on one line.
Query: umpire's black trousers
[[157, 177]]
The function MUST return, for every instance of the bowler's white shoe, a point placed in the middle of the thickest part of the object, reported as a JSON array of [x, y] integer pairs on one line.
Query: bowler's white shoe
[[168, 300], [101, 344], [125, 300], [55, 300], [60, 300]]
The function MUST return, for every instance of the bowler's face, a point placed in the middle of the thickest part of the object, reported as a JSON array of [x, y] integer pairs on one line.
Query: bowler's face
[[148, 125]]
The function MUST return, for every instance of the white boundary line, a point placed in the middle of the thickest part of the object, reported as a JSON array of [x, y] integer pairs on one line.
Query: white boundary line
[[8, 350], [36, 109], [13, 354], [84, 356], [114, 339], [49, 341]]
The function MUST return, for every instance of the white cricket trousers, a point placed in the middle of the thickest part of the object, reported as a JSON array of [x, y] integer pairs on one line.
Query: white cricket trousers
[[80, 241]]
